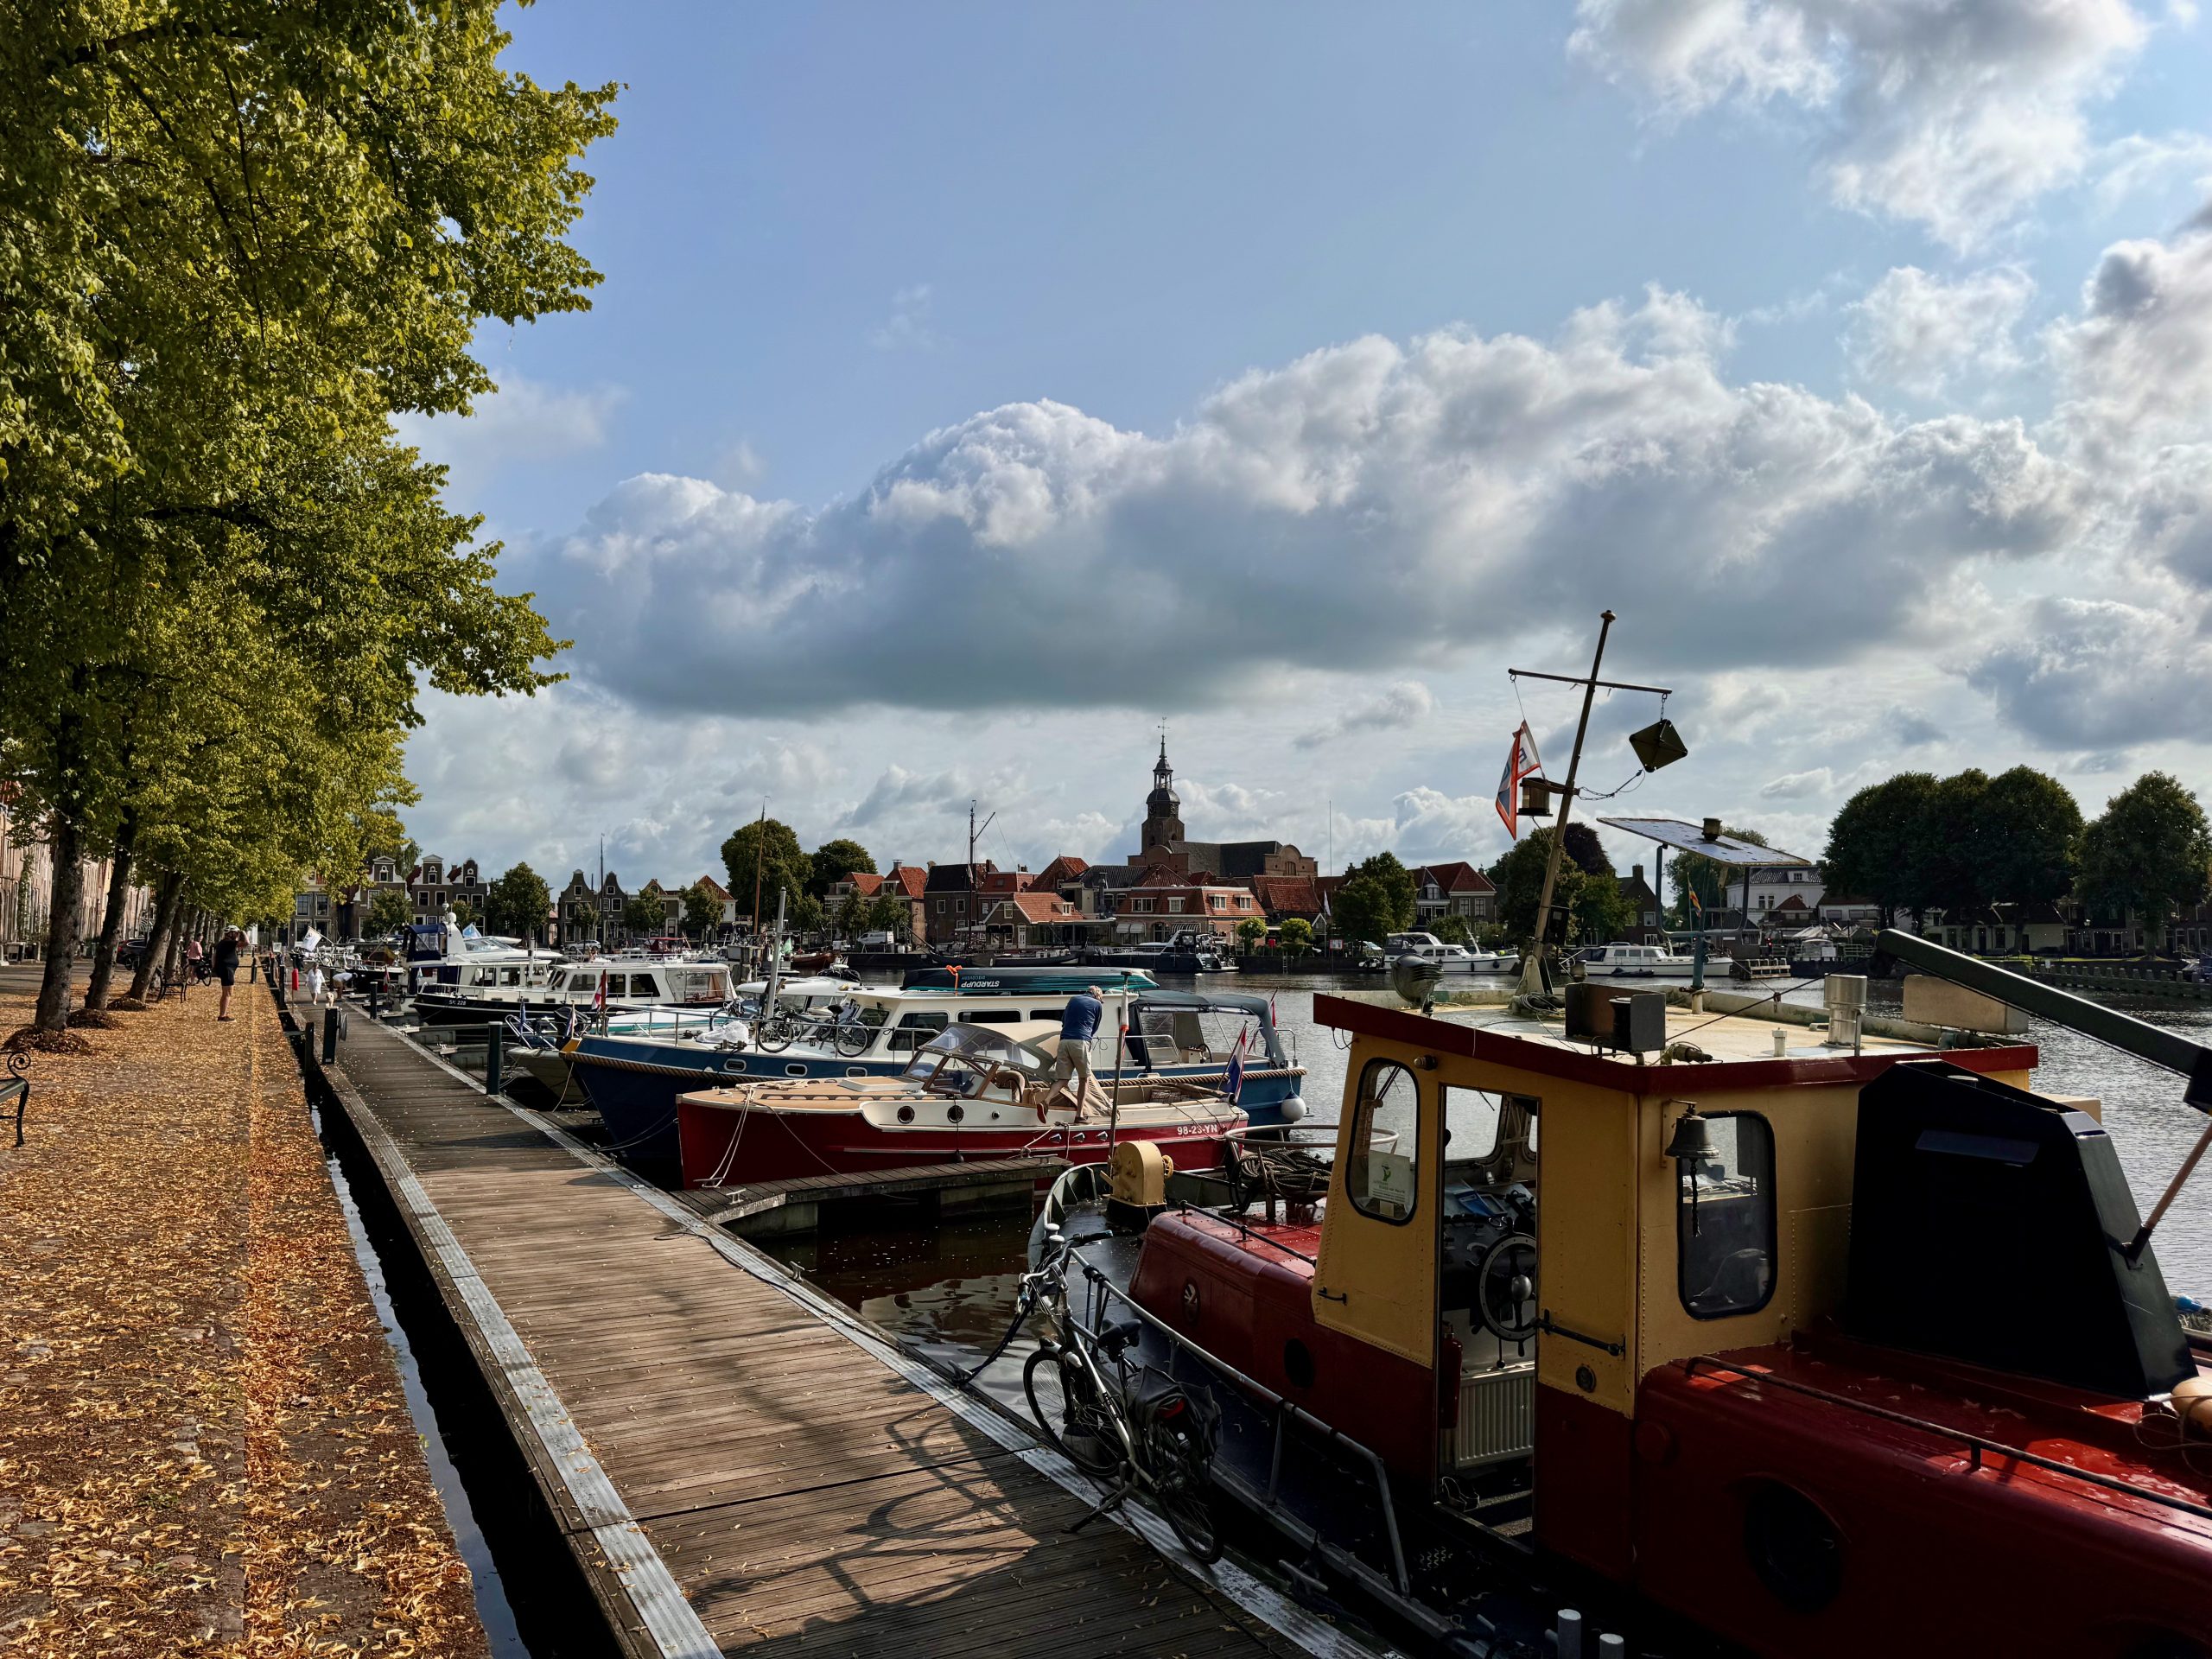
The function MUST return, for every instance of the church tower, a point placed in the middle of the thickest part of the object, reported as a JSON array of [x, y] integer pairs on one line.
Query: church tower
[[1163, 820]]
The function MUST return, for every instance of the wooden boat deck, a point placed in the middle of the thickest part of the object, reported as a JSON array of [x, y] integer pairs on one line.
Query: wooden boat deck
[[741, 1466], [750, 1198]]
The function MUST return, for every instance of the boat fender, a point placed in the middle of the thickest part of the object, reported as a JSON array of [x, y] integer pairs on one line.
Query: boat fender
[[1293, 1110]]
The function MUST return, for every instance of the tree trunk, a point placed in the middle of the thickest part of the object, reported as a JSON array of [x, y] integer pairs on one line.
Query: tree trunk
[[167, 899], [118, 896], [175, 954], [62, 924]]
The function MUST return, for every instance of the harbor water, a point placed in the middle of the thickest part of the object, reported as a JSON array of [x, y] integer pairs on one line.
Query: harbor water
[[950, 1290]]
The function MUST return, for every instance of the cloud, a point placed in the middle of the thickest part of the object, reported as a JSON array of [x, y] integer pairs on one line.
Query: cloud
[[1798, 786], [2139, 164], [525, 420], [1915, 331], [1400, 706], [2101, 674], [2136, 361], [1953, 114], [1914, 730], [908, 328], [1399, 504]]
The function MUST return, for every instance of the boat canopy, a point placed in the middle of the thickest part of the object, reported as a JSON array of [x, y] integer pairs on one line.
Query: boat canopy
[[985, 1045], [1156, 1014]]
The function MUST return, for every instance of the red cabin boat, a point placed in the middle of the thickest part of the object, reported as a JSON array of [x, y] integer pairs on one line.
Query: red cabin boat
[[1842, 1343]]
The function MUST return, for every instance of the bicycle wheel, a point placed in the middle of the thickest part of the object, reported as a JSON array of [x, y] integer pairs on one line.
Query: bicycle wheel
[[775, 1035], [851, 1040], [1188, 1511], [1065, 1402]]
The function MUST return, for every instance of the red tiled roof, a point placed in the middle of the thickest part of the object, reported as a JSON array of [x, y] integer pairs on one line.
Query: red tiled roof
[[1001, 882], [1065, 867], [1292, 895], [1457, 876], [908, 879], [715, 889], [1034, 907], [865, 883]]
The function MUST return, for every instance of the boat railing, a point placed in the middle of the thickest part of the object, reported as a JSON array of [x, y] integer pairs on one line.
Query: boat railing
[[1977, 1447], [1287, 1415]]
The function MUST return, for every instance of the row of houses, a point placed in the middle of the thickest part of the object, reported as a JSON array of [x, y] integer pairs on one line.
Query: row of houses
[[26, 893]]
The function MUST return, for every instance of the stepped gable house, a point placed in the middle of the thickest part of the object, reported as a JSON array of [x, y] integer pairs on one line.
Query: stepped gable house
[[1162, 844]]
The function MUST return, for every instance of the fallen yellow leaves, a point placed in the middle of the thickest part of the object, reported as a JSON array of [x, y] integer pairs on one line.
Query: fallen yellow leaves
[[204, 1449]]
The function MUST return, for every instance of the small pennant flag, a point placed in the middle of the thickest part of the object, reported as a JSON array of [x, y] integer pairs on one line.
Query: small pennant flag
[[1520, 761], [599, 997]]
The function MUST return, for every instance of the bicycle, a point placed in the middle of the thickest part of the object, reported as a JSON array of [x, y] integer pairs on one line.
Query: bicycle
[[1132, 1423], [787, 1025]]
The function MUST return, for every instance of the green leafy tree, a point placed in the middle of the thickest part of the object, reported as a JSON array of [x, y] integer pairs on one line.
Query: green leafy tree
[[1519, 878], [770, 849], [1251, 931], [2150, 854], [852, 916], [1375, 901], [464, 915], [645, 915], [832, 862], [1955, 856], [1602, 912], [1588, 851], [1297, 935], [702, 910], [805, 916], [389, 912], [2031, 840], [1454, 930], [888, 913], [518, 902], [232, 246], [1882, 846]]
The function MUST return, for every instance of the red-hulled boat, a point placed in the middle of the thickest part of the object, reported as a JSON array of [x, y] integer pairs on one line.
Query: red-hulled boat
[[1842, 1345], [971, 1094]]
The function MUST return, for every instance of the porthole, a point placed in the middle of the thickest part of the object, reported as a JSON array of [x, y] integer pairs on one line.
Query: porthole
[[855, 1072], [1298, 1363], [733, 1065], [794, 1070], [956, 1113], [1792, 1546], [905, 1113]]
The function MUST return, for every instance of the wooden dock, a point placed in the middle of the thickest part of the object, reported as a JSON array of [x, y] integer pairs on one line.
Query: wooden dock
[[739, 1464]]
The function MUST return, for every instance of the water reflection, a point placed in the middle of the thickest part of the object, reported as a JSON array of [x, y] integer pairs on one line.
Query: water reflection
[[952, 1289]]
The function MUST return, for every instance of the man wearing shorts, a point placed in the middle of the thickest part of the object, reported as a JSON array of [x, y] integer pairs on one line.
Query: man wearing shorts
[[227, 949], [1079, 1023]]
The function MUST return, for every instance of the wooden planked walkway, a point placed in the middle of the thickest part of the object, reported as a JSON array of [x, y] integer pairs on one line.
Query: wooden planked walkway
[[744, 1466]]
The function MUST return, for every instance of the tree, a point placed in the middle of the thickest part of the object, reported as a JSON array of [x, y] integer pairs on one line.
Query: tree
[[1375, 901], [2031, 837], [1716, 885], [1588, 852], [702, 910], [1297, 935], [1881, 846], [233, 248], [518, 903], [833, 861], [389, 912], [1519, 878], [1955, 852], [770, 847], [889, 913], [464, 914], [1602, 912], [1454, 930], [646, 914], [1251, 931], [2149, 854]]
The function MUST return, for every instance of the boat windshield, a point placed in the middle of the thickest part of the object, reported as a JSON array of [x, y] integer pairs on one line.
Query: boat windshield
[[959, 1058]]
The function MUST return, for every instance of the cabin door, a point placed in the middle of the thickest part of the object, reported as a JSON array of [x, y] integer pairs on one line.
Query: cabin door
[[1376, 1279]]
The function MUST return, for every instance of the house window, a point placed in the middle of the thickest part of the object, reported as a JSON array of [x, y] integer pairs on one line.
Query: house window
[[1142, 906], [1381, 1175], [1724, 1220], [1174, 906], [940, 906], [1243, 904], [961, 905]]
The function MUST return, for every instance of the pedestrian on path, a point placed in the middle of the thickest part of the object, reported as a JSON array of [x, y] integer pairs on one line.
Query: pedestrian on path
[[1079, 1023], [314, 984], [227, 949], [196, 964]]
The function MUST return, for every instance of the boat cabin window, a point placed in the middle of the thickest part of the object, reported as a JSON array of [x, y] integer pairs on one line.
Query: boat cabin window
[[1382, 1177], [1725, 1219], [915, 1030]]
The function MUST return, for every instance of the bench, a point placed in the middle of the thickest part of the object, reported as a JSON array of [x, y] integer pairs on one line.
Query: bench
[[15, 1089]]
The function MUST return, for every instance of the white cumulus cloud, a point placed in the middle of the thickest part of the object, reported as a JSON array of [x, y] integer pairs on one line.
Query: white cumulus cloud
[[1917, 332]]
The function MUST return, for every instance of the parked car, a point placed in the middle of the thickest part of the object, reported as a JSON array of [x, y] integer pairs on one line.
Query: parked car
[[131, 952]]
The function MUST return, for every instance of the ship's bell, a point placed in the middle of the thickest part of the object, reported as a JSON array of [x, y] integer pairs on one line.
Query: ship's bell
[[1693, 1137]]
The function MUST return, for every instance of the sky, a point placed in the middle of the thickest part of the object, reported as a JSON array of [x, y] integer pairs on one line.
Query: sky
[[973, 389]]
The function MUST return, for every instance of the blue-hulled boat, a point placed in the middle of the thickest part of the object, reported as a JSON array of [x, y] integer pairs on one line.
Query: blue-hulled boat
[[634, 1081]]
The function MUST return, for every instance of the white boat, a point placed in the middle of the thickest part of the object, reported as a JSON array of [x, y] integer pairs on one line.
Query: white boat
[[1449, 958], [1621, 960]]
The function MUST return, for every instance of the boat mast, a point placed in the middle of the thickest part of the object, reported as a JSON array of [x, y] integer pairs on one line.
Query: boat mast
[[1566, 797], [759, 849], [976, 920]]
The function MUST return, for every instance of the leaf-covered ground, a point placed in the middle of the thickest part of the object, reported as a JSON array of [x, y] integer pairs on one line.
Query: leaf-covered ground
[[204, 1449]]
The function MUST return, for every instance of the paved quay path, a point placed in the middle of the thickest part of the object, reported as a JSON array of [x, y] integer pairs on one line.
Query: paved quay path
[[741, 1466], [204, 1446]]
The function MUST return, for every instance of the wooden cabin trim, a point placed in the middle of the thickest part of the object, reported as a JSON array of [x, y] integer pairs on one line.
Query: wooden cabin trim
[[1436, 1036]]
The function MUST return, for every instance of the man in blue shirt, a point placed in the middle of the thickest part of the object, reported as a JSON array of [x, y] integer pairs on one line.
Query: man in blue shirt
[[1079, 1023]]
